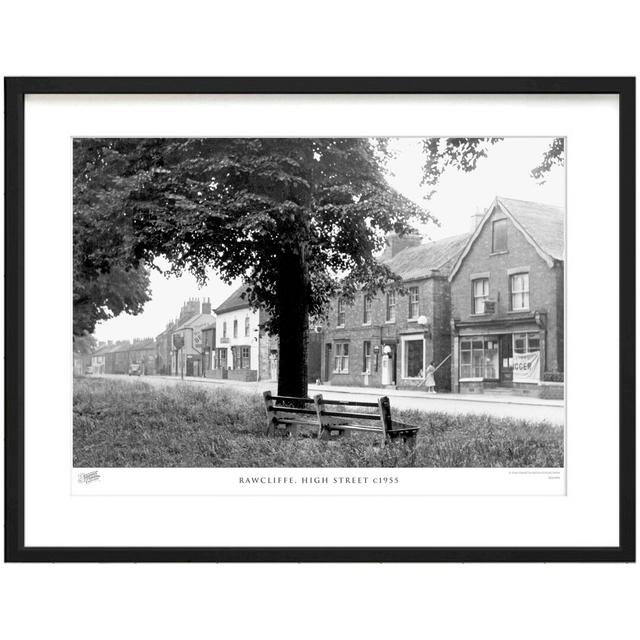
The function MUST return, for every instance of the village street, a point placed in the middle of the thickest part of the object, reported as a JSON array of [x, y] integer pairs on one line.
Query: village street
[[499, 406]]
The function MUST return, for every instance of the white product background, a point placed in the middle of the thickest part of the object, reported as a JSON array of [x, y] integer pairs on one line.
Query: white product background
[[284, 37], [586, 516]]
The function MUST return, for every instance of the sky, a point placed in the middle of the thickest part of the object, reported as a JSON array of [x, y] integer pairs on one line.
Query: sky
[[504, 172]]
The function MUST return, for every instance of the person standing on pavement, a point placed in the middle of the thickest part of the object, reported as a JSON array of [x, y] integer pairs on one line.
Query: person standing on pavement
[[430, 381]]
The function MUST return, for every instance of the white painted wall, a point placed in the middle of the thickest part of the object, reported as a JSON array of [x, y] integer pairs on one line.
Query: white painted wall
[[242, 340]]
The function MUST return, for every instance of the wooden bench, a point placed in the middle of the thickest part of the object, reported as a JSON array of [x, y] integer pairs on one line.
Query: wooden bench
[[285, 414], [329, 417]]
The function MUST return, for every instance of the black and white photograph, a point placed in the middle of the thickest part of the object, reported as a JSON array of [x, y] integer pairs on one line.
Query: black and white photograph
[[319, 302], [360, 311]]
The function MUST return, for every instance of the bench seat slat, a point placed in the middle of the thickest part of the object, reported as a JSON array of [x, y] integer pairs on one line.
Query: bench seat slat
[[349, 403], [292, 399], [352, 416], [293, 421], [291, 410], [354, 427]]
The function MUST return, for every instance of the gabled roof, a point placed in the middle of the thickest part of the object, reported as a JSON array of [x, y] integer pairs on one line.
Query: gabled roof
[[117, 348], [195, 321], [541, 224], [105, 348], [418, 262], [234, 301]]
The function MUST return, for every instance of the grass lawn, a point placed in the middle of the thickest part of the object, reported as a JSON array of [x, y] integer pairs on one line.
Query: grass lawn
[[123, 424]]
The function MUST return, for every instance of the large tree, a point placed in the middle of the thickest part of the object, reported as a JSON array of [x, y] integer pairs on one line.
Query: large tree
[[298, 220], [108, 278]]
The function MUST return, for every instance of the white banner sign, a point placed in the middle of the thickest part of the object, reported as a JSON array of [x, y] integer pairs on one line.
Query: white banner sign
[[526, 367]]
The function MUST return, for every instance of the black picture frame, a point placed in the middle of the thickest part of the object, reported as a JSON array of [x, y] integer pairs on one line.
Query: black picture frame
[[15, 91]]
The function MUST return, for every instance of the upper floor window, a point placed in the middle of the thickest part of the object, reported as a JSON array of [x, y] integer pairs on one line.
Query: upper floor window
[[366, 311], [246, 326], [414, 303], [235, 328], [519, 285], [499, 238], [391, 306], [341, 314], [224, 329], [480, 294]]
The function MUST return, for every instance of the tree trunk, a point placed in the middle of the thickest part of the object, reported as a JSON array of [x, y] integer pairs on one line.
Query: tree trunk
[[293, 311]]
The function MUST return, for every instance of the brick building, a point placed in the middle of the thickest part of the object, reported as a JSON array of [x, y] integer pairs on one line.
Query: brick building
[[412, 327], [507, 301], [208, 348], [98, 357], [164, 349], [116, 357], [186, 337], [143, 352]]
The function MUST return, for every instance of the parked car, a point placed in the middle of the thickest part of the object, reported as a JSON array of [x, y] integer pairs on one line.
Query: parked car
[[135, 369]]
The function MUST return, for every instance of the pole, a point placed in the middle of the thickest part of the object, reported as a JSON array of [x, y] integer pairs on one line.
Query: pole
[[442, 363], [424, 380]]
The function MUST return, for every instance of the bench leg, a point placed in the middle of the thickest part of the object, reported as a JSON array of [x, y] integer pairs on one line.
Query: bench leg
[[410, 439], [407, 438], [270, 431]]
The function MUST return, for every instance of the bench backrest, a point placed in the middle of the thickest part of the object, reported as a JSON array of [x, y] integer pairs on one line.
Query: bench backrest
[[282, 410], [383, 415]]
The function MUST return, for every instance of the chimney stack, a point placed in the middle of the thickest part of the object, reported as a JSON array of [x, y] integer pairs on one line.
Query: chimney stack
[[396, 243], [206, 306]]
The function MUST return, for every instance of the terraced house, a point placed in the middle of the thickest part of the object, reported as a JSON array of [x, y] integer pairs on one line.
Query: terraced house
[[389, 339], [507, 302]]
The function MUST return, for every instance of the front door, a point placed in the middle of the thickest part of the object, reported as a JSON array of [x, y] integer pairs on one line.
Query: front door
[[328, 365], [506, 360]]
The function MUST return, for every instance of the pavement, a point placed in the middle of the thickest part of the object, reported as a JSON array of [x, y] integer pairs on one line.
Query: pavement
[[495, 405]]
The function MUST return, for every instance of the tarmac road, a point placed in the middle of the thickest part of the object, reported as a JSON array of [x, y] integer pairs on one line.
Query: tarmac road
[[501, 406]]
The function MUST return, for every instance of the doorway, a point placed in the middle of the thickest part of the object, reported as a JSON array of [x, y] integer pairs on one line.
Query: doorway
[[327, 362], [506, 360]]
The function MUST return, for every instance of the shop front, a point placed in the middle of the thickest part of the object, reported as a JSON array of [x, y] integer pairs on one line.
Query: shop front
[[499, 358]]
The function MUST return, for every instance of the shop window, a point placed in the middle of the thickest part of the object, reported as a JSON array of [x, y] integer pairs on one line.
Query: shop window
[[341, 358], [526, 342], [366, 311], [413, 358], [366, 357], [479, 357], [341, 312], [499, 237], [414, 303], [391, 306], [480, 289], [519, 285]]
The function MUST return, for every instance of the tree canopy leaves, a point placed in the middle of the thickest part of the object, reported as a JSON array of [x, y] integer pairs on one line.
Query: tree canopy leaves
[[237, 205], [107, 277]]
